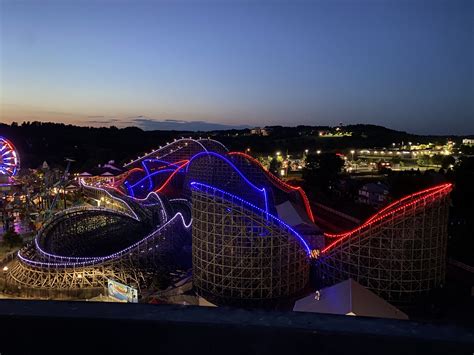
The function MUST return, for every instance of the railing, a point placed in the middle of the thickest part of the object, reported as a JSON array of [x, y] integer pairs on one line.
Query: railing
[[167, 146]]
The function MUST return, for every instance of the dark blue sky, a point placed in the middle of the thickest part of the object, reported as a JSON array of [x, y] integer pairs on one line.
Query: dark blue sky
[[404, 64]]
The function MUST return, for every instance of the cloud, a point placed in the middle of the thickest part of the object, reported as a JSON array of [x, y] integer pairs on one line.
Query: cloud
[[105, 121], [176, 121], [150, 124]]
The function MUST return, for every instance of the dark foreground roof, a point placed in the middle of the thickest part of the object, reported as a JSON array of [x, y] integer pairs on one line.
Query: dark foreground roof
[[53, 327]]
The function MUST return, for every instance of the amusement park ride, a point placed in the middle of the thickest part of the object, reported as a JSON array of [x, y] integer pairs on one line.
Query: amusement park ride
[[9, 162], [254, 238], [60, 185], [12, 186], [9, 167]]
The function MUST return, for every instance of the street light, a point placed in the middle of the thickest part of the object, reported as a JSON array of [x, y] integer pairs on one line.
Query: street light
[[278, 154], [318, 152]]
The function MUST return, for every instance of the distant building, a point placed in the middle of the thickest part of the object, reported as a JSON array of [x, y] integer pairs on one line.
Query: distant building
[[374, 194], [102, 174], [260, 131], [468, 141]]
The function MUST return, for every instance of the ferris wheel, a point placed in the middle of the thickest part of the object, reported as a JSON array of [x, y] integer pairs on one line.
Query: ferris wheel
[[9, 158]]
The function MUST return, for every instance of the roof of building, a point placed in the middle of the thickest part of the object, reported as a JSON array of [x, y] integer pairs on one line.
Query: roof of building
[[349, 298], [106, 170], [375, 187], [296, 217]]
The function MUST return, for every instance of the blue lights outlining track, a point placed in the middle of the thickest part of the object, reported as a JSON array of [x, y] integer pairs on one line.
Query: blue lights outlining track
[[150, 175], [131, 191], [261, 190], [202, 187], [89, 261], [150, 183]]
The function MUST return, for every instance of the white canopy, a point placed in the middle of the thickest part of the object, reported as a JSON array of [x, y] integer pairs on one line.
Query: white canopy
[[348, 298]]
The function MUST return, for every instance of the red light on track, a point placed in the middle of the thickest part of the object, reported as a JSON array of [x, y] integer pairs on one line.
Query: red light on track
[[172, 175], [389, 211], [280, 182]]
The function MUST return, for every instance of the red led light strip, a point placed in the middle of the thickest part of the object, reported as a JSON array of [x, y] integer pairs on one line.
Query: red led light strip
[[390, 210], [126, 175], [280, 182], [172, 175]]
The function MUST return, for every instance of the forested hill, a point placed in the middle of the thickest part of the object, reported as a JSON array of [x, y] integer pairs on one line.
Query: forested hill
[[52, 142]]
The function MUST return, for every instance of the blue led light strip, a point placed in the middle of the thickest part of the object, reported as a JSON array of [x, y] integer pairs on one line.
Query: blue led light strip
[[64, 213], [96, 260], [150, 175], [139, 200], [150, 184], [200, 186], [262, 190]]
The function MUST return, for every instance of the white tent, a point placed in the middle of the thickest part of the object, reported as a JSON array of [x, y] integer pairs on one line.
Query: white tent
[[348, 298]]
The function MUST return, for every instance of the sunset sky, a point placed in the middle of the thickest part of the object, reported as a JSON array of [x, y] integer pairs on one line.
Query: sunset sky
[[405, 64]]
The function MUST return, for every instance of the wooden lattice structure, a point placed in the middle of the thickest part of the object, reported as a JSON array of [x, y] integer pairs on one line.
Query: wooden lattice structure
[[241, 255], [81, 248], [399, 253]]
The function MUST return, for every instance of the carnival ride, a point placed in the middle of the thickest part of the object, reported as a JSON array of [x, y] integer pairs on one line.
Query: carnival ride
[[253, 236], [147, 214], [9, 159]]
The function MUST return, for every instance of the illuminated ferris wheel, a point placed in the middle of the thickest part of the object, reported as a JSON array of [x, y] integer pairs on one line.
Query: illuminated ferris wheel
[[9, 158]]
